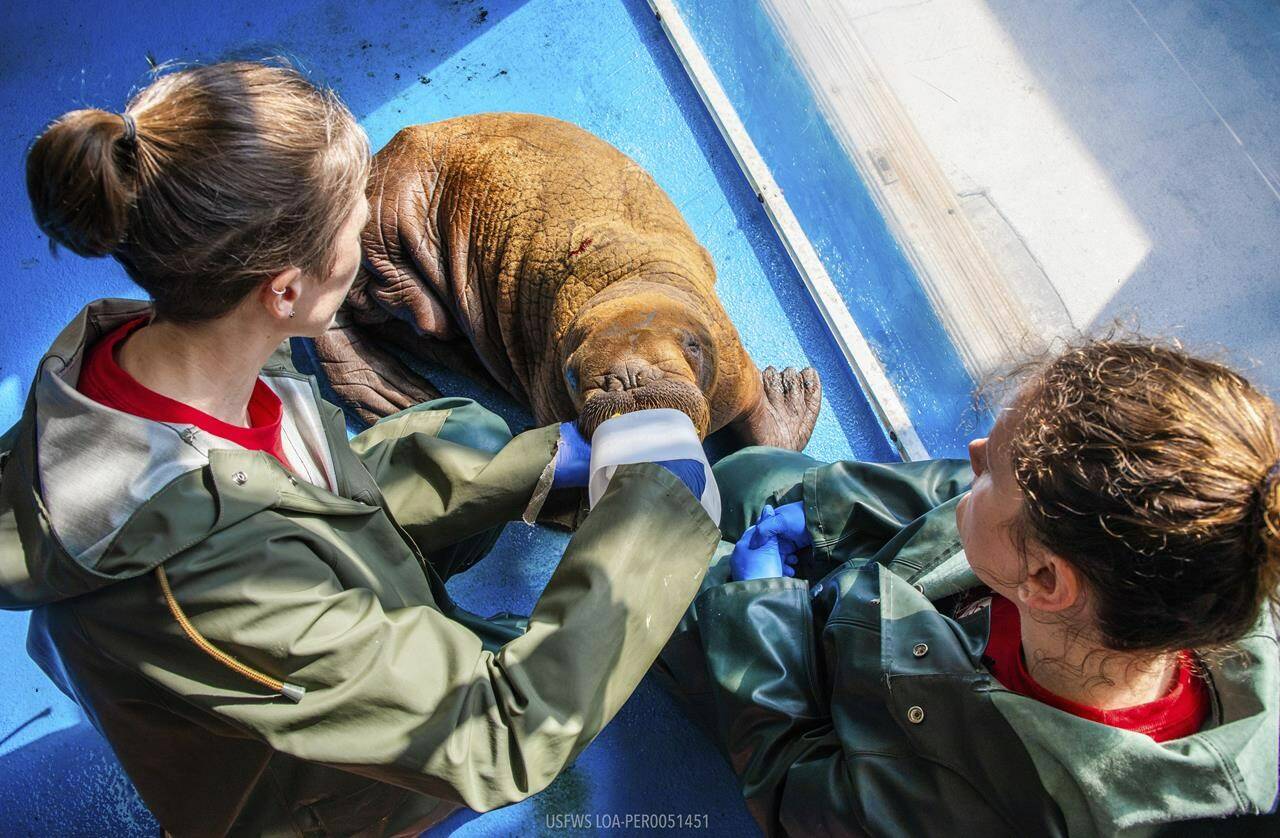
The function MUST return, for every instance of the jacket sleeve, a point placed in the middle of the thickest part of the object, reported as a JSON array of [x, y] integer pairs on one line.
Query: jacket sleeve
[[409, 697], [442, 492], [854, 509], [800, 774], [901, 515]]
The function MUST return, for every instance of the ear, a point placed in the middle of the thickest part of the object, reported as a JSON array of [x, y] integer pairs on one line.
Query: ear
[[280, 293], [1052, 583]]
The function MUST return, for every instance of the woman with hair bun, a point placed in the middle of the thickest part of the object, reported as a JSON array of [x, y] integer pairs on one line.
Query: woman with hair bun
[[1071, 633], [250, 607]]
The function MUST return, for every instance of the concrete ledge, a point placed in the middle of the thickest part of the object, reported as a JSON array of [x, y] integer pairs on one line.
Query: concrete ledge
[[857, 352]]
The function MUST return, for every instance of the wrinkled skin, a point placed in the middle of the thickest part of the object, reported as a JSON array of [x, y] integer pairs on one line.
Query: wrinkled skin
[[525, 249]]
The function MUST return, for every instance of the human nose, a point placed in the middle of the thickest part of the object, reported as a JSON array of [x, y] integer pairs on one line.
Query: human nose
[[978, 456]]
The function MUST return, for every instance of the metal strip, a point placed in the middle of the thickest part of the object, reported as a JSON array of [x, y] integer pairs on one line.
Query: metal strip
[[866, 368]]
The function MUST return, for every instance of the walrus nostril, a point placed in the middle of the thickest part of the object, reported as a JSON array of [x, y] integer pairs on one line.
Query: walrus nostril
[[631, 374]]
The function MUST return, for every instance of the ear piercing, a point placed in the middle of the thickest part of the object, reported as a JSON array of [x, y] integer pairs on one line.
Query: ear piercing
[[280, 293]]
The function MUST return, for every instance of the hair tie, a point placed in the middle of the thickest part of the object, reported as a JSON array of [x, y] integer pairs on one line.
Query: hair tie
[[130, 128], [1270, 478]]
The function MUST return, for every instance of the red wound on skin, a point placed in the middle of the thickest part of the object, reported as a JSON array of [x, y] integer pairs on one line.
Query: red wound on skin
[[585, 244]]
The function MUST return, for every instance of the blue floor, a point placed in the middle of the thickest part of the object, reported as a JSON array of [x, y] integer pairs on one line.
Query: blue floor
[[604, 65]]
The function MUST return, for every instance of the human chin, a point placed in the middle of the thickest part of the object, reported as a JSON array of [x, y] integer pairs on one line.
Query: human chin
[[332, 319]]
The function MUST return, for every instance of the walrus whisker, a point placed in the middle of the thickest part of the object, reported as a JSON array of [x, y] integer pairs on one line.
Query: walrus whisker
[[678, 395]]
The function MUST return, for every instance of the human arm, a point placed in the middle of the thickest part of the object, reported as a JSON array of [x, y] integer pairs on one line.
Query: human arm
[[801, 717], [443, 491], [855, 509], [406, 696]]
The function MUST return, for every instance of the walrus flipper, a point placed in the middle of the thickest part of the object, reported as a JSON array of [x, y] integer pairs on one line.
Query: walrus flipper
[[787, 410], [368, 378]]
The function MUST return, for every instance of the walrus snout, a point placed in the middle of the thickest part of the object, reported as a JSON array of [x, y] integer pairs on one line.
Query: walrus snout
[[628, 375], [638, 385]]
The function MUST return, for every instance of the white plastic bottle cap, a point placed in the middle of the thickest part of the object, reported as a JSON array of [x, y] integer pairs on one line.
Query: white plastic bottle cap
[[648, 436]]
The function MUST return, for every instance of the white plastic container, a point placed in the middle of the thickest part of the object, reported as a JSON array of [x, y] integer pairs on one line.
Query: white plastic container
[[648, 436]]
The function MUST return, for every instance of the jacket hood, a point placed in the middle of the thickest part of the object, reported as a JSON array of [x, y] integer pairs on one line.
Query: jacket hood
[[90, 495], [1105, 780], [1103, 777]]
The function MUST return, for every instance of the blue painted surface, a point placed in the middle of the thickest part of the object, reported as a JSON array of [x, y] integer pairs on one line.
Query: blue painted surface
[[836, 211], [604, 65]]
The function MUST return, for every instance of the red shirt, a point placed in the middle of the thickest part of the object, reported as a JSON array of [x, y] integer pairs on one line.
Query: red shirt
[[1180, 712], [103, 380]]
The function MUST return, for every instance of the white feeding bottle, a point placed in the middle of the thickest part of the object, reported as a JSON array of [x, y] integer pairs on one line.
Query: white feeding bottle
[[648, 436]]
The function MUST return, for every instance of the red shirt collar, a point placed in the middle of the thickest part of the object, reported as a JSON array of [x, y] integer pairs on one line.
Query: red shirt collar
[[1180, 712], [105, 381]]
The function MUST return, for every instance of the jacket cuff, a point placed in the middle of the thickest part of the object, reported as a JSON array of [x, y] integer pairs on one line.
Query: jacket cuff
[[754, 587], [542, 488], [764, 627], [531, 457]]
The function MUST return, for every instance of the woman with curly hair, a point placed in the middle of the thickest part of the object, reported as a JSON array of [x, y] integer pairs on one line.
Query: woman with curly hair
[[1071, 633]]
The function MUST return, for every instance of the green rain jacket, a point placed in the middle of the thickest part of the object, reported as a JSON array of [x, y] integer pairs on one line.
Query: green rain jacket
[[411, 706], [858, 703]]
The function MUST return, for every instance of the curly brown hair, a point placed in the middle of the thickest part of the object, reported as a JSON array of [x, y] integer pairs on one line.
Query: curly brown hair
[[1155, 474]]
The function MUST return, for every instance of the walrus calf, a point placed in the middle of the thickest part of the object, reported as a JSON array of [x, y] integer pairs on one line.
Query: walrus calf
[[526, 249]]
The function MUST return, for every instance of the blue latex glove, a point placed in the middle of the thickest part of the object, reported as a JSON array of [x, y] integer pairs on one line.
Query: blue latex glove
[[758, 556], [690, 472], [787, 524], [573, 460]]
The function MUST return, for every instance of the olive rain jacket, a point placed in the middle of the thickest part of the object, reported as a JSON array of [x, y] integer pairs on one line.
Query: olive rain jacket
[[858, 703], [186, 591]]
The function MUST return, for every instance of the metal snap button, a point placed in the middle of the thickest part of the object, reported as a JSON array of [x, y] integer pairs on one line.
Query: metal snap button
[[920, 650], [817, 589], [240, 477], [875, 601], [915, 715], [918, 587]]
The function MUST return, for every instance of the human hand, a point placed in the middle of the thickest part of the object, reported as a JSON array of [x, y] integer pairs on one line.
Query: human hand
[[573, 458], [787, 523], [758, 556], [690, 472]]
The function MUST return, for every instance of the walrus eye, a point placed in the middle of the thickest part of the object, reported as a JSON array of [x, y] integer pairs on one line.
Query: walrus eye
[[693, 351]]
